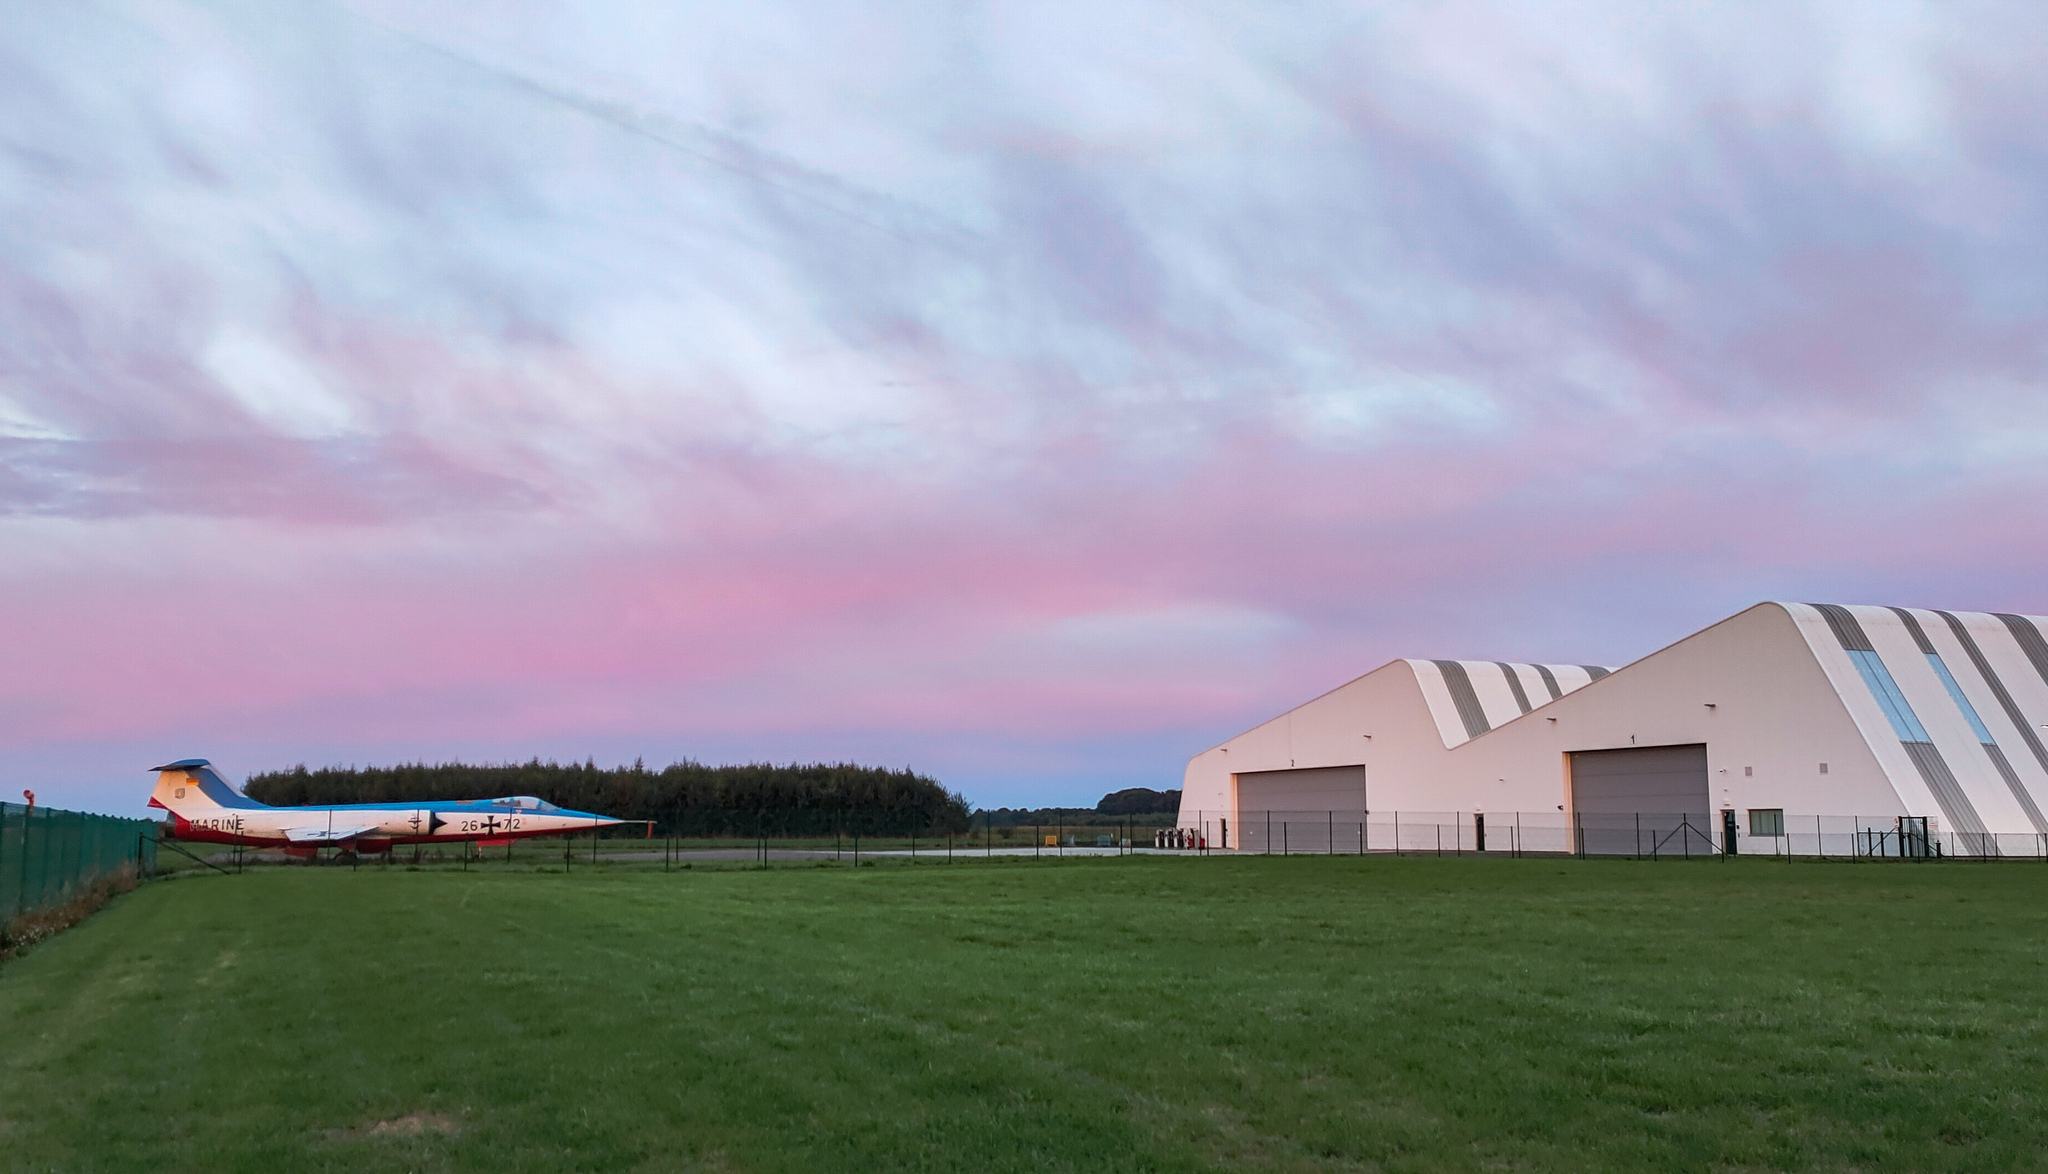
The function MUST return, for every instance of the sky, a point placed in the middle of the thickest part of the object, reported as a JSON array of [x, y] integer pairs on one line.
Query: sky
[[1033, 395]]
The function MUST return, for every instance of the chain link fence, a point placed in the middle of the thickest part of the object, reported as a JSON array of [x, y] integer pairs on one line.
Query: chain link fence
[[48, 855], [1647, 835]]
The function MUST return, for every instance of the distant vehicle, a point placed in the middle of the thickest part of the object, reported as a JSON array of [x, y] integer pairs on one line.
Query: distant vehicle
[[204, 808]]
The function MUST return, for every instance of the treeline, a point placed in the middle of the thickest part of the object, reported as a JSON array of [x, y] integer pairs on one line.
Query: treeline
[[685, 798], [1133, 806]]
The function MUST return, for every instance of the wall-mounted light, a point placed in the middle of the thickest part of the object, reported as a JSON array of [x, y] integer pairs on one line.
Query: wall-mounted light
[[1710, 705]]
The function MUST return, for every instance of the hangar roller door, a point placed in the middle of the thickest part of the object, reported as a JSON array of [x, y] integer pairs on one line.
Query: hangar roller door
[[1306, 810], [1642, 801]]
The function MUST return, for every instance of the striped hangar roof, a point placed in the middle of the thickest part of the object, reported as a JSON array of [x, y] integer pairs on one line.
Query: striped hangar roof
[[1954, 704], [1469, 697]]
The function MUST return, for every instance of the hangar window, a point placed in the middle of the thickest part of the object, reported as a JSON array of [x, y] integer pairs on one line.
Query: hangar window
[[1896, 709], [1766, 821]]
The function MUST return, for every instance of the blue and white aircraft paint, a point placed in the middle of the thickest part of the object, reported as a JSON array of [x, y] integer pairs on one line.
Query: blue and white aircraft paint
[[205, 808]]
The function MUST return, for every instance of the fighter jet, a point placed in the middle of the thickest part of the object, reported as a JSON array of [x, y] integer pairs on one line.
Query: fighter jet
[[205, 808]]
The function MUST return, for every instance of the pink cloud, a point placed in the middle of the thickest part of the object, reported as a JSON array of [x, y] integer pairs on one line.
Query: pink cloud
[[444, 386]]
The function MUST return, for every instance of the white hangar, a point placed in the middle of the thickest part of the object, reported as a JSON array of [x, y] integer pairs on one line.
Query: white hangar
[[1876, 729]]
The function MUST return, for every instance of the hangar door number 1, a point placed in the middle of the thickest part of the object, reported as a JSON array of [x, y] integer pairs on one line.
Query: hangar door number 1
[[1313, 809]]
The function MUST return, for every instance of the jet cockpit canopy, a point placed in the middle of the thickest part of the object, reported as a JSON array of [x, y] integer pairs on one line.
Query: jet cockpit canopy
[[526, 803]]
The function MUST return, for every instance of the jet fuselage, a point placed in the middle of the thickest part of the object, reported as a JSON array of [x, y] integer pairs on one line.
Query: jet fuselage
[[204, 808]]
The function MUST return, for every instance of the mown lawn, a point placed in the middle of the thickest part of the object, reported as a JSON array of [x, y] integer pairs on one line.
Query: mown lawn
[[1109, 1014]]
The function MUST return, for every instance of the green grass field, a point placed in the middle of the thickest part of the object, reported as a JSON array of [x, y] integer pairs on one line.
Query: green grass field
[[1111, 1014]]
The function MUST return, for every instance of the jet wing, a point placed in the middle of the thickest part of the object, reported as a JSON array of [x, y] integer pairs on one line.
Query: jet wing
[[326, 835]]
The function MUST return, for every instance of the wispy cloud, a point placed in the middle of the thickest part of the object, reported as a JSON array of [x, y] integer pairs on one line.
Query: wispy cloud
[[978, 384]]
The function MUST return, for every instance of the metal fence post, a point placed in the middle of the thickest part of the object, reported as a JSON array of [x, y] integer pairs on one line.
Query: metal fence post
[[59, 832], [55, 841], [28, 819], [43, 863]]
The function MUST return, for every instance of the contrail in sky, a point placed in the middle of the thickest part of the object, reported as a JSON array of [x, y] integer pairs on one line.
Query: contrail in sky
[[649, 125]]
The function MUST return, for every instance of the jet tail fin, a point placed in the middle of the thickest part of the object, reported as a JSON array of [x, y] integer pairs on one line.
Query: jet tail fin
[[191, 784]]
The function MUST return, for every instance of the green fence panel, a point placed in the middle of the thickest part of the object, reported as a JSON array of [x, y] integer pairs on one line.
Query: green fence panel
[[48, 855]]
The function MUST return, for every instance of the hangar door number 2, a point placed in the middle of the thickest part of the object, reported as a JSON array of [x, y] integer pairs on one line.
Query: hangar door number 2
[[1642, 801]]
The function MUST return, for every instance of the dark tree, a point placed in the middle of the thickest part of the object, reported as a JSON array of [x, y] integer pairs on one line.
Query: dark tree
[[686, 798], [1139, 801]]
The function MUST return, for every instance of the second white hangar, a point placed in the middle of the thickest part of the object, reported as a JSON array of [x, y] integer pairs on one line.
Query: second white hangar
[[1787, 707]]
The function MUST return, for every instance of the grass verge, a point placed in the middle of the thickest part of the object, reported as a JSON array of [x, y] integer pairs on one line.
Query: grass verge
[[21, 933]]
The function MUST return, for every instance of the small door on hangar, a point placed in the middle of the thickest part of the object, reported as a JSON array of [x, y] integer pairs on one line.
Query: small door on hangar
[[1309, 809], [1642, 800]]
